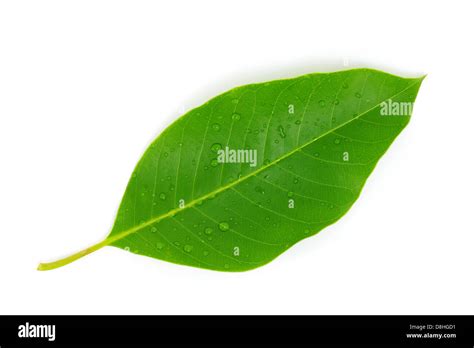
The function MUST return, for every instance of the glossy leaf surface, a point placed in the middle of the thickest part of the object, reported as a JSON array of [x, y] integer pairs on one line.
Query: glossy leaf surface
[[306, 147]]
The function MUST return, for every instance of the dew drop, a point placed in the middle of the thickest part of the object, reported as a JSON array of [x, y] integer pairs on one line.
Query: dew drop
[[322, 103], [259, 190], [337, 141], [208, 231], [345, 85], [281, 130], [159, 245], [336, 102], [205, 253], [216, 147], [297, 122], [296, 181], [290, 194], [224, 226], [236, 116], [162, 196], [216, 127], [358, 95], [188, 248], [214, 163], [154, 229], [226, 266]]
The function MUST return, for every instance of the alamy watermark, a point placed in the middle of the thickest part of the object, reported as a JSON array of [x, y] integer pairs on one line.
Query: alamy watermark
[[37, 331], [394, 108], [228, 155]]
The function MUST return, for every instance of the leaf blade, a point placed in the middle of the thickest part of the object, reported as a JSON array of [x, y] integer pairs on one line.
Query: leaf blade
[[151, 223]]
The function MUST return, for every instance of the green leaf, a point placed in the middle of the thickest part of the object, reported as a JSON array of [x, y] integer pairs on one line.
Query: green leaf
[[306, 147]]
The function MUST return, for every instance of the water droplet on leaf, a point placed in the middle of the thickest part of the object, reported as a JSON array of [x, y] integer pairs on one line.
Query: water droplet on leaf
[[224, 226], [216, 147], [281, 130]]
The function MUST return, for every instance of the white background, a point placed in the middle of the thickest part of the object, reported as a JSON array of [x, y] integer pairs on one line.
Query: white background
[[86, 85]]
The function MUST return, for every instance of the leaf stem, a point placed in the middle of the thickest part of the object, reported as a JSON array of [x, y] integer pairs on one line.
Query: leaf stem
[[67, 260]]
